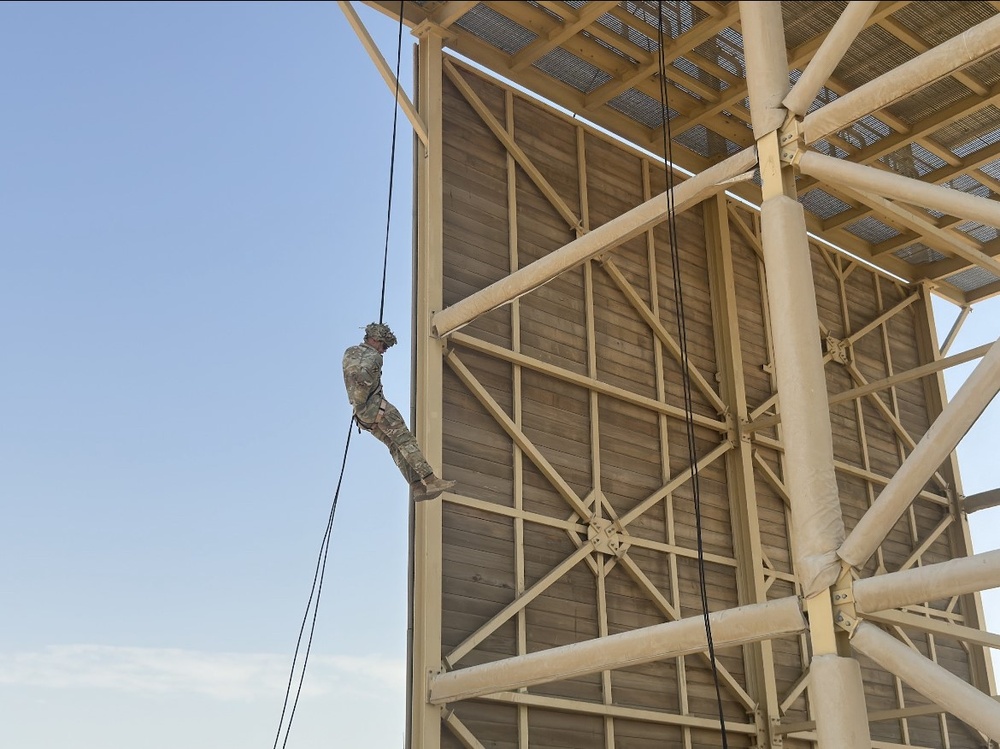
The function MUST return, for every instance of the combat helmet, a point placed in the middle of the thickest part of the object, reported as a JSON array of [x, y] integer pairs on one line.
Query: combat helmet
[[380, 332]]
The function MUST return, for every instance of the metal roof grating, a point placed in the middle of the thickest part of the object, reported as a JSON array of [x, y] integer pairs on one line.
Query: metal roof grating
[[966, 183], [872, 230], [822, 203], [496, 29], [640, 107], [963, 131], [919, 254], [827, 148], [928, 100], [986, 71], [547, 9], [864, 132], [983, 233], [688, 67], [610, 47], [631, 33], [707, 143], [937, 22], [971, 279], [678, 17], [725, 50], [804, 20], [992, 169], [912, 160], [570, 69], [873, 52]]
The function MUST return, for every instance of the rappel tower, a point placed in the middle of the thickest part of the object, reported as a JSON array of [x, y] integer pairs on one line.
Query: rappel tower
[[707, 492]]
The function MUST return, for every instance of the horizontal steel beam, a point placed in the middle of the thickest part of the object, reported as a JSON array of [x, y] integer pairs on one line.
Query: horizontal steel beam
[[733, 627], [981, 501], [930, 583], [906, 189]]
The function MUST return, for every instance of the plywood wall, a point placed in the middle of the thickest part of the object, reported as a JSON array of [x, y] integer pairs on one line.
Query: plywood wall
[[572, 396]]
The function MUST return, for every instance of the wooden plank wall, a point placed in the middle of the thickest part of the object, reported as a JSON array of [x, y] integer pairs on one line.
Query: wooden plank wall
[[526, 429]]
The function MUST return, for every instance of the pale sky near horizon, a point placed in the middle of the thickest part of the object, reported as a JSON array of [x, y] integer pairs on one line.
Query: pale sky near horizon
[[193, 201]]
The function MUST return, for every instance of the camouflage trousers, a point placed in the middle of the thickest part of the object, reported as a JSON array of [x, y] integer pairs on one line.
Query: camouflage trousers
[[392, 430]]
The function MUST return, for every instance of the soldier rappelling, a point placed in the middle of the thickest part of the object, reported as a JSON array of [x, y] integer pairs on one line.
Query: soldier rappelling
[[373, 413]]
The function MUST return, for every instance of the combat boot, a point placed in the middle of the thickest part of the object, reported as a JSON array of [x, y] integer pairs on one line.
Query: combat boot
[[432, 487]]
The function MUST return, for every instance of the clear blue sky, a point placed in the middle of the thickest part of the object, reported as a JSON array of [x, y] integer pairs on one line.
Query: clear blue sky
[[192, 216]]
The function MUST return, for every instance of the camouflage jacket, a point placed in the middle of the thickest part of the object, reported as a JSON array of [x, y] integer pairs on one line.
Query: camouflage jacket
[[363, 380]]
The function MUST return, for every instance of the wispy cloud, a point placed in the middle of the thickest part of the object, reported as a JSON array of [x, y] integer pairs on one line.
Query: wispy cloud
[[228, 676]]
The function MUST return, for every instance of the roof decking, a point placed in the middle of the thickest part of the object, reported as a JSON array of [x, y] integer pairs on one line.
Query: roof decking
[[600, 60]]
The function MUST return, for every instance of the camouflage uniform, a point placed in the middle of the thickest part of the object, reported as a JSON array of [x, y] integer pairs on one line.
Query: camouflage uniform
[[363, 379]]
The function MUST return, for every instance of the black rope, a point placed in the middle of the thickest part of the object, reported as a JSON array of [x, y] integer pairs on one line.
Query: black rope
[[316, 592], [312, 604], [685, 373], [392, 160]]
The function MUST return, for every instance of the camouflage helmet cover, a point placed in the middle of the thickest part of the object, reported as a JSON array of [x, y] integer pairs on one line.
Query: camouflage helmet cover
[[380, 332]]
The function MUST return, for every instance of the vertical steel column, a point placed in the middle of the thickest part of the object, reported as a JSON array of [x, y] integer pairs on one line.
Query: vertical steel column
[[817, 522], [759, 657], [424, 730]]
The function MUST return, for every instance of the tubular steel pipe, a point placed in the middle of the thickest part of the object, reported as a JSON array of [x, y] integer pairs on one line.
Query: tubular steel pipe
[[950, 426], [841, 717], [763, 34], [937, 684], [603, 238], [830, 53], [906, 189], [943, 580], [733, 627], [902, 81], [981, 501], [817, 522]]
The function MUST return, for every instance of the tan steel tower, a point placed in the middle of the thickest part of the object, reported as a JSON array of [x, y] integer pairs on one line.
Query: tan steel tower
[[836, 165]]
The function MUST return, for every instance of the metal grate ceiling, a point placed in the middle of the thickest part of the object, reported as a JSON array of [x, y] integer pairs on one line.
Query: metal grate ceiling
[[599, 61]]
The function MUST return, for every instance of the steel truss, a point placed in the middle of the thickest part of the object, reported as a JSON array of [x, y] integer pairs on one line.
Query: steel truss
[[836, 597]]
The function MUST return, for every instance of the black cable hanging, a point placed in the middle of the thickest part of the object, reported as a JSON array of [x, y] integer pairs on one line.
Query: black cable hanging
[[682, 344], [392, 159], [312, 604]]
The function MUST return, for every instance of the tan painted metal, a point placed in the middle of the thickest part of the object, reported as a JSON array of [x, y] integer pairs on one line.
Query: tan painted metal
[[930, 583], [805, 478], [940, 61], [416, 121], [767, 72], [425, 523], [737, 626], [841, 717], [839, 171], [811, 482], [981, 501], [759, 658], [816, 521], [937, 684], [831, 52], [955, 420], [606, 237]]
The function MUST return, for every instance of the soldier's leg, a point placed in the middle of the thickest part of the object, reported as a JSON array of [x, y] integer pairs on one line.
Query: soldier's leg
[[403, 447]]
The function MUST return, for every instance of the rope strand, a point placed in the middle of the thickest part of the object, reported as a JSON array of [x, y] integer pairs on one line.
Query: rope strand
[[685, 373], [315, 593], [392, 161]]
